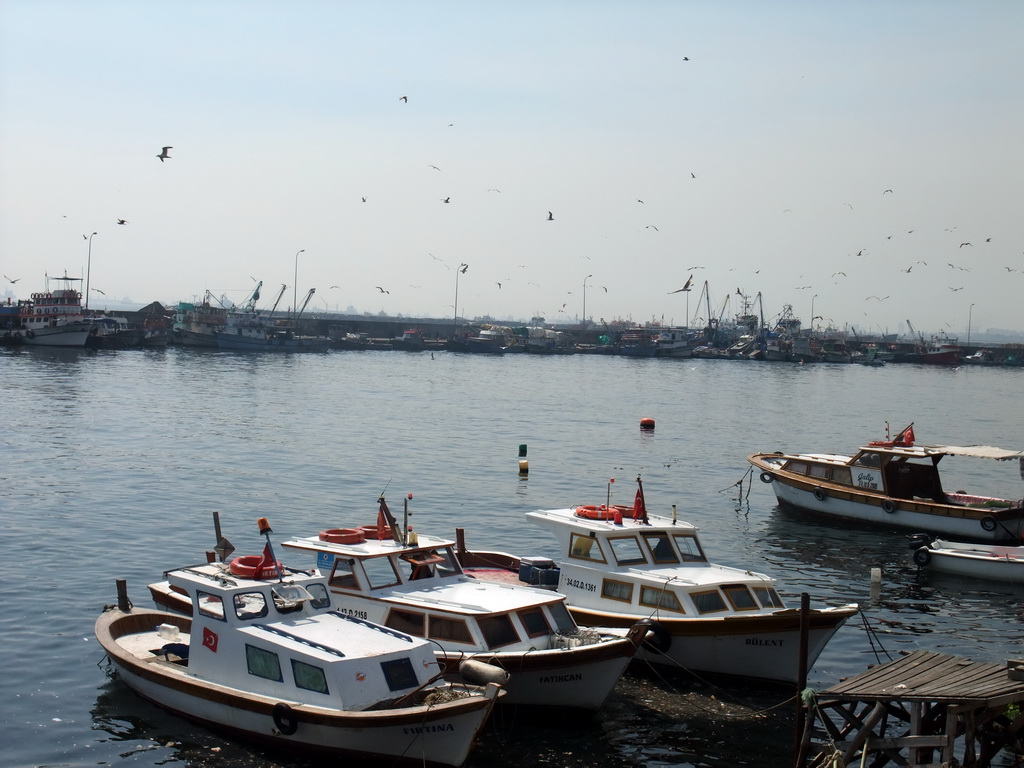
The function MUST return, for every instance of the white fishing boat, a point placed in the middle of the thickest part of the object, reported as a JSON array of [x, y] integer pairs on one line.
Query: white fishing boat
[[55, 318], [414, 583], [894, 483], [977, 561], [268, 656], [618, 565]]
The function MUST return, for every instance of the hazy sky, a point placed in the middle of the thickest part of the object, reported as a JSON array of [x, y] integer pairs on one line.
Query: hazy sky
[[763, 140]]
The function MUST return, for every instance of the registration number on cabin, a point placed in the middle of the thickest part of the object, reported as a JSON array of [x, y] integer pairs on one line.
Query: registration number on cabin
[[354, 613], [584, 585]]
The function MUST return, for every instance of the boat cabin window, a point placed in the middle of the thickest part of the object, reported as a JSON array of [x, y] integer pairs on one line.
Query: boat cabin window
[[343, 575], [498, 630], [564, 622], [380, 572], [689, 548], [453, 630], [617, 590], [250, 605], [399, 673], [661, 548], [796, 467], [818, 470], [659, 597], [210, 605], [585, 548], [263, 663], [321, 598], [308, 677], [708, 602], [769, 597], [627, 550], [868, 459], [842, 475], [422, 563], [740, 597], [534, 622], [410, 622]]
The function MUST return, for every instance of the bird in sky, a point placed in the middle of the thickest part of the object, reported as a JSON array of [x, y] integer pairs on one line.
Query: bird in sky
[[404, 98], [988, 239], [838, 273], [97, 290], [551, 216], [640, 201], [693, 268], [963, 244], [434, 167], [434, 257], [888, 190], [364, 199], [122, 222], [686, 58], [651, 226], [382, 290], [447, 200], [685, 287], [463, 268], [921, 261], [877, 298], [907, 270], [497, 284], [163, 154], [334, 286], [956, 289], [605, 288], [13, 280], [692, 176], [1008, 269], [492, 189]]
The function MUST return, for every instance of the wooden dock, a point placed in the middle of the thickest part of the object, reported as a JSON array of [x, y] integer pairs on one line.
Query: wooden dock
[[925, 710]]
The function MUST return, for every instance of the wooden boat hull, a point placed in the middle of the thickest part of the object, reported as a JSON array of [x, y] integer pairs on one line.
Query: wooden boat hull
[[436, 734], [958, 521], [761, 647]]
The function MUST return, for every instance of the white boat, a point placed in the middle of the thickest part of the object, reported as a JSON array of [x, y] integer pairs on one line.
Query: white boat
[[674, 342], [416, 585], [55, 318], [616, 569], [269, 657], [894, 483], [976, 561]]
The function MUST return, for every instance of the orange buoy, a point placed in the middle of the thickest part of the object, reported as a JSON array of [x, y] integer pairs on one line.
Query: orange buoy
[[343, 535], [646, 423]]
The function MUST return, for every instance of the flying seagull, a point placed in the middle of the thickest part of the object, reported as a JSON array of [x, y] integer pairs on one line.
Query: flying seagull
[[334, 286], [651, 226], [382, 290], [435, 167], [163, 154], [447, 200], [121, 221], [97, 290], [551, 216], [404, 98], [679, 290], [963, 244], [888, 190], [463, 268], [13, 280]]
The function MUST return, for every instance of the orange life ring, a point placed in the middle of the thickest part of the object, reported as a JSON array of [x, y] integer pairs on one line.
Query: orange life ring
[[590, 512], [370, 531], [251, 567], [882, 443], [343, 536]]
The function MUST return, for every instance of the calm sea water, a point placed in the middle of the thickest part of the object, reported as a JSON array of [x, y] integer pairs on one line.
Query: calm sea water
[[112, 463]]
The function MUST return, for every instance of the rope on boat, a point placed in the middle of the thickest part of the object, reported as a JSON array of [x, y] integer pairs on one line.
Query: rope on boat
[[873, 638], [739, 484]]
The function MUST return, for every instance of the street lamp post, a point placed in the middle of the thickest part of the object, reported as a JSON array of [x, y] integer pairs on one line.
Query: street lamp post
[[970, 312], [812, 311], [461, 270], [585, 299], [88, 270], [295, 285]]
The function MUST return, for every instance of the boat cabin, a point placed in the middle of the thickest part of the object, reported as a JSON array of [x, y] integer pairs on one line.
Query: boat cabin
[[420, 589], [282, 637]]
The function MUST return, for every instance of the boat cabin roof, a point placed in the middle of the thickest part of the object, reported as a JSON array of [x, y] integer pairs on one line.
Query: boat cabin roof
[[568, 518]]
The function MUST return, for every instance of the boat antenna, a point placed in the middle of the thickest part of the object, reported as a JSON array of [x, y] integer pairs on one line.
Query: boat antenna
[[608, 500], [405, 521], [266, 530]]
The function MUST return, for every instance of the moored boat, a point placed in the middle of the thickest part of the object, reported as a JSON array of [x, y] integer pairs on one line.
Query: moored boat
[[618, 565], [894, 483], [269, 657], [977, 561], [55, 318]]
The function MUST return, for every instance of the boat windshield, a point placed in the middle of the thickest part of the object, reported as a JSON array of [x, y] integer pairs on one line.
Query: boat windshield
[[627, 550], [689, 548], [564, 622]]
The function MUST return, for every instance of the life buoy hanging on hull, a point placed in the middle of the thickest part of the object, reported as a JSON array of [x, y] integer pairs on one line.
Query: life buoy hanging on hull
[[988, 523], [819, 494], [923, 556], [658, 638], [767, 477], [285, 719], [888, 506]]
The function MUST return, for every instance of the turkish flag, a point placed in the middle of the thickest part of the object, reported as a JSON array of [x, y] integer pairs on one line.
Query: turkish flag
[[210, 639]]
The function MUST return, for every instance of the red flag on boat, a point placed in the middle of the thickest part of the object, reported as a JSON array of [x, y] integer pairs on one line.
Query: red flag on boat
[[639, 504], [908, 435], [267, 566]]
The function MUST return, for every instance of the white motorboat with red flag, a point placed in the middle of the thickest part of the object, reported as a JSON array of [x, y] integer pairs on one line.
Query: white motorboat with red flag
[[894, 482], [268, 656], [620, 564]]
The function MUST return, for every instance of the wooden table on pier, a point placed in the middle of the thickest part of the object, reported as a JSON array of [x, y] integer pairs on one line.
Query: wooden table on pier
[[905, 710]]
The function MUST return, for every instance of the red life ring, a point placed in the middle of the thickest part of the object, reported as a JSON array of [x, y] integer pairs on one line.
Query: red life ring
[[251, 567], [343, 536], [591, 512], [882, 443], [370, 531]]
